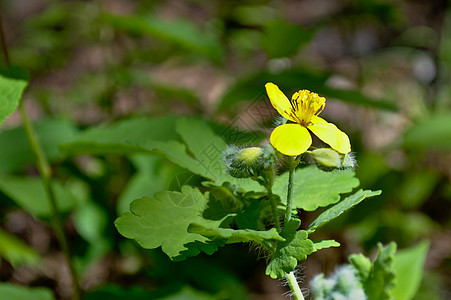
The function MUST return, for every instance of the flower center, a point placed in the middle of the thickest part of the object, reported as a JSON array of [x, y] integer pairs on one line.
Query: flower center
[[306, 105]]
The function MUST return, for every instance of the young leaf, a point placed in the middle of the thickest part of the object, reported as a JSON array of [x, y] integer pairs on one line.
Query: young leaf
[[379, 278], [17, 292], [236, 236], [15, 251], [340, 208], [362, 264], [324, 244], [296, 247], [13, 81], [164, 220], [315, 188], [408, 266], [30, 195]]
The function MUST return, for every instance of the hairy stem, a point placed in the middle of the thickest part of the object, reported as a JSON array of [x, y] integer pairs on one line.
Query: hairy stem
[[291, 279], [294, 286], [275, 215], [45, 173], [291, 167]]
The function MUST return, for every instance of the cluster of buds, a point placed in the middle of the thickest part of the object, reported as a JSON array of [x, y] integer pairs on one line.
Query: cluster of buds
[[249, 162], [328, 159], [342, 284]]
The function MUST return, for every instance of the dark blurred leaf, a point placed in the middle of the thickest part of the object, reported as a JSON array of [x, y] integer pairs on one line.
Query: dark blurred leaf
[[431, 132], [9, 291], [254, 15], [15, 149], [324, 244], [15, 251], [13, 81], [281, 39], [315, 188], [417, 188], [340, 208], [123, 137], [30, 194], [252, 88], [182, 33], [164, 219], [112, 292], [409, 265]]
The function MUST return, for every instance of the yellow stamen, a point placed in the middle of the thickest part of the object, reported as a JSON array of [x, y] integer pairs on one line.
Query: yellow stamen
[[306, 105]]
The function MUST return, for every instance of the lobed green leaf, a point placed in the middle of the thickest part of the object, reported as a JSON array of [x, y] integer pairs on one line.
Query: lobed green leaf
[[164, 220], [315, 188], [295, 248]]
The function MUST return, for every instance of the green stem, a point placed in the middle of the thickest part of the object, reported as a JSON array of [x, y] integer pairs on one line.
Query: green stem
[[291, 279], [291, 167], [275, 215], [294, 286], [268, 185], [45, 173]]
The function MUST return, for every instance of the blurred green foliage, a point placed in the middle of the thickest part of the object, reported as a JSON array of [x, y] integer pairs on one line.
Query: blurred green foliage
[[110, 80]]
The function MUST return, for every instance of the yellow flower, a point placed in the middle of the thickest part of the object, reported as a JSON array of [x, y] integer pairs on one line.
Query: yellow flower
[[294, 138]]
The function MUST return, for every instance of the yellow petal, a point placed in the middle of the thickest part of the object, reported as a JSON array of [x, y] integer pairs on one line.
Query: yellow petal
[[330, 134], [291, 139], [280, 102]]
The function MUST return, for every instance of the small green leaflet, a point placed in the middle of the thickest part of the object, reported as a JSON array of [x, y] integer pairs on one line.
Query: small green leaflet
[[324, 244], [236, 236], [164, 220], [340, 208], [315, 188], [13, 81], [378, 278], [296, 247]]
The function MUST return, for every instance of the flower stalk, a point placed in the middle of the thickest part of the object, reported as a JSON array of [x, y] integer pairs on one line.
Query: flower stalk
[[291, 278]]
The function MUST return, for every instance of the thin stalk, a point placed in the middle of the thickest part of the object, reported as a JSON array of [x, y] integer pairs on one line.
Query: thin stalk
[[275, 215], [268, 185], [45, 173], [291, 279], [291, 169], [293, 284]]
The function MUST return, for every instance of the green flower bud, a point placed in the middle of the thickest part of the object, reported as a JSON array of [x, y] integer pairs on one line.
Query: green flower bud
[[249, 156], [348, 161], [250, 161], [326, 159]]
